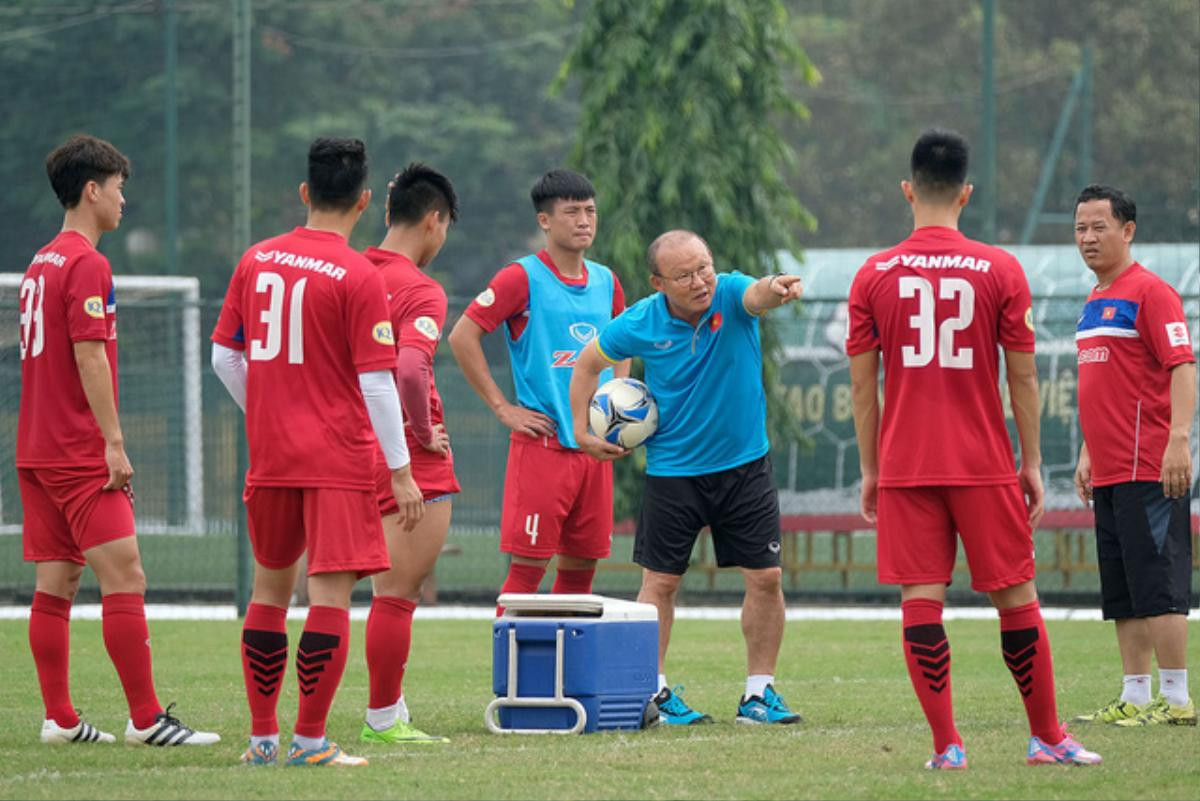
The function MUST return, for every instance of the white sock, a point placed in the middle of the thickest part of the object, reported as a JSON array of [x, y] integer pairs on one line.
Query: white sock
[[384, 718], [309, 743], [1136, 689], [1172, 684], [402, 710], [273, 739], [756, 683], [662, 682]]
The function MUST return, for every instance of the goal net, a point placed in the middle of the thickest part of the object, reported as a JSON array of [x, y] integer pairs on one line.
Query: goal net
[[158, 325]]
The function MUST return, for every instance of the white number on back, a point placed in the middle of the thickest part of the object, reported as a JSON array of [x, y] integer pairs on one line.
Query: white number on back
[[33, 295], [939, 341], [272, 285]]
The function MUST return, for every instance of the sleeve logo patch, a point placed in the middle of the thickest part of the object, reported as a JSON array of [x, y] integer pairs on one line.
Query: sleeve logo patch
[[486, 298], [1177, 334], [427, 328], [1029, 318], [94, 307], [382, 333]]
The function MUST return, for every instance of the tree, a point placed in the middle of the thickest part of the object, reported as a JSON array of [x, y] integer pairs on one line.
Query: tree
[[681, 103]]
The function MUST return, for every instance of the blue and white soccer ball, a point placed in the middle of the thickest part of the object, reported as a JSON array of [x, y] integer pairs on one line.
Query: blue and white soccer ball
[[623, 412]]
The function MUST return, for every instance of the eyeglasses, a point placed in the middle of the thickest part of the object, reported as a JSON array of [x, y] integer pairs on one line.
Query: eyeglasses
[[685, 280]]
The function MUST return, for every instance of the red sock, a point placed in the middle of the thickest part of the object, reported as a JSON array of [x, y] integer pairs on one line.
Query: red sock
[[389, 638], [128, 643], [577, 581], [927, 655], [320, 662], [521, 578], [50, 644], [1027, 654], [264, 659]]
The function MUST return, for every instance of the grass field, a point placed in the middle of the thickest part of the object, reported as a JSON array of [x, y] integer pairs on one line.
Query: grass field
[[863, 735]]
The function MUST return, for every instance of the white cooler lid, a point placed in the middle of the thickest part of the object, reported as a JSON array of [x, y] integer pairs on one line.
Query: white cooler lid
[[533, 605]]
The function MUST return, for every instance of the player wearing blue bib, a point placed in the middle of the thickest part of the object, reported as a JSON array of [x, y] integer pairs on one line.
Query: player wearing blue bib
[[557, 499], [707, 464]]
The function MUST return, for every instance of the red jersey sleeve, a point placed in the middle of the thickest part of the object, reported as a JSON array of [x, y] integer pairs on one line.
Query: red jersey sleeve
[[1016, 311], [1163, 325], [420, 323], [506, 297], [368, 325], [229, 331], [618, 297], [86, 291], [862, 333]]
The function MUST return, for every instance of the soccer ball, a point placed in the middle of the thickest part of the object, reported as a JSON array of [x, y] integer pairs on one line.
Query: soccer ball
[[623, 412]]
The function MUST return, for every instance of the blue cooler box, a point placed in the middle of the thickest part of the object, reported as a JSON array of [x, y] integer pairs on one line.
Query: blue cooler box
[[608, 649]]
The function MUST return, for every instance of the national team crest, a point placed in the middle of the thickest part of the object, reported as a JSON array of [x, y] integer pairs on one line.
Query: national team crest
[[583, 332], [1109, 313], [715, 321]]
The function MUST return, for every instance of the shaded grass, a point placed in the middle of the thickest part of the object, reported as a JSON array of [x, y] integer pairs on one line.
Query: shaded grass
[[864, 736]]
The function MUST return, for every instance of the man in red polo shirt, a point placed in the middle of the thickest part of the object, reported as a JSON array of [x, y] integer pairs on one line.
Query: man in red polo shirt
[[1137, 404]]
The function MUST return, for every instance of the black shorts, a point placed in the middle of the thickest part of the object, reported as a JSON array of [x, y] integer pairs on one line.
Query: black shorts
[[1144, 550], [740, 505]]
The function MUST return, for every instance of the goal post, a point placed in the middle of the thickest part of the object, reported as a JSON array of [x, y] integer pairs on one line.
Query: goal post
[[159, 369]]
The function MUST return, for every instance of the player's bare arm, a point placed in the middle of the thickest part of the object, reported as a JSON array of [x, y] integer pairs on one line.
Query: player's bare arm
[[864, 396], [772, 292], [95, 374], [1083, 476], [585, 376], [1176, 473], [466, 343], [1021, 373]]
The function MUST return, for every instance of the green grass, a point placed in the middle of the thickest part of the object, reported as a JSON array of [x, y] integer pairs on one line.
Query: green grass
[[863, 737]]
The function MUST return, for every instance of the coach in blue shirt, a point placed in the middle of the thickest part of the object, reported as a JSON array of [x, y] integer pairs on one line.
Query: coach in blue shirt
[[707, 465]]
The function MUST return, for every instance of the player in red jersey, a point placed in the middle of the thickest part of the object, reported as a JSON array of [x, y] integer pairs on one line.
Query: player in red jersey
[[72, 468], [1137, 404], [305, 347], [421, 204], [557, 499], [937, 308]]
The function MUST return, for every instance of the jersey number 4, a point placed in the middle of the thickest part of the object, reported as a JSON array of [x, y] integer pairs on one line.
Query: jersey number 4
[[33, 333], [933, 339], [272, 285]]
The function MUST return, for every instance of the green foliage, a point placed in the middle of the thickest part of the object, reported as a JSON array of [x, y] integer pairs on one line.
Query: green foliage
[[863, 734], [682, 103]]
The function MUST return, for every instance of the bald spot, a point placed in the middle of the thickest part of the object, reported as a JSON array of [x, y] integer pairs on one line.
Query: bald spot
[[672, 240]]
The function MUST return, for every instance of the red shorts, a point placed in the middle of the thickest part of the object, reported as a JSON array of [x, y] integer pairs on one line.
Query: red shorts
[[66, 512], [339, 529], [916, 541], [433, 472], [556, 501]]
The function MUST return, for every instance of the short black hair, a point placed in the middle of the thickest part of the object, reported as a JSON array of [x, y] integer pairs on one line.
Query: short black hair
[[337, 173], [418, 190], [560, 185], [1123, 207], [80, 159], [939, 164]]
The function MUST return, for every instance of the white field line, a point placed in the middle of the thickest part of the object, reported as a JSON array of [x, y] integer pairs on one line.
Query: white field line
[[449, 612]]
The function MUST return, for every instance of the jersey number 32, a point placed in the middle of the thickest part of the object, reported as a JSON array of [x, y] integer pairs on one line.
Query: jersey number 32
[[933, 339]]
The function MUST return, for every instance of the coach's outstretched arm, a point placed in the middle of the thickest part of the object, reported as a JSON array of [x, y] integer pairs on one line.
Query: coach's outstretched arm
[[772, 292], [584, 378], [1021, 371], [864, 395]]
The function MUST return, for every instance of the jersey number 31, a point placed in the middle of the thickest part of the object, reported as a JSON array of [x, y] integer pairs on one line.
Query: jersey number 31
[[934, 339], [272, 285]]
